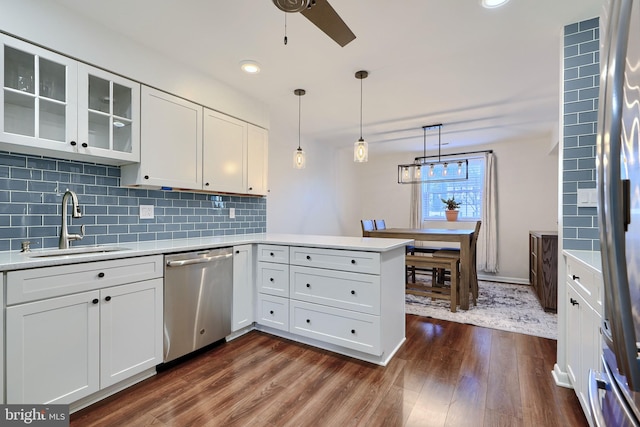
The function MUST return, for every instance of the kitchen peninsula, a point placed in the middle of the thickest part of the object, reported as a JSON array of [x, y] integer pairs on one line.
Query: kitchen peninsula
[[342, 294]]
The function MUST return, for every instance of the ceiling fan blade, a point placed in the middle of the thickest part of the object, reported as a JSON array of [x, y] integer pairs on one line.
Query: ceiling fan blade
[[323, 16]]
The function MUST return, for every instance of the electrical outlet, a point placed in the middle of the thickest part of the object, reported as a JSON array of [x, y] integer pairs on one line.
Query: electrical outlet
[[232, 213], [146, 211]]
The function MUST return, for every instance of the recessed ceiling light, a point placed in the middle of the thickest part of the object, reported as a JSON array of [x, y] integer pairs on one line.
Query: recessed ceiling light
[[490, 4], [250, 67]]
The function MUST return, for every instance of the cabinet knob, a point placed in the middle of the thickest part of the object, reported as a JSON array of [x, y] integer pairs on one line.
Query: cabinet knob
[[107, 298], [101, 275], [353, 292], [73, 143], [308, 285], [250, 188], [574, 302], [353, 331], [85, 145], [206, 184], [353, 261], [574, 277], [146, 177], [95, 300], [271, 254], [237, 252], [271, 279], [308, 320], [309, 257], [271, 312]]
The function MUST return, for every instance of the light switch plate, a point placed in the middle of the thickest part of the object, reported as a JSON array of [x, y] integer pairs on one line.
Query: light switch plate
[[587, 197], [146, 211], [232, 213]]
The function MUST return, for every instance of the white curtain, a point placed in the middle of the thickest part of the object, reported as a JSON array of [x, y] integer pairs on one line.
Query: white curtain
[[415, 214], [487, 249]]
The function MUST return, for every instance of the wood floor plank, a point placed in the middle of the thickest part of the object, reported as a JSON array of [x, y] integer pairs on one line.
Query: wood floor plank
[[445, 374]]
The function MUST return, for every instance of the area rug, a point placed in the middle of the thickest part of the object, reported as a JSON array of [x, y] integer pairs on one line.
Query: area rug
[[503, 306]]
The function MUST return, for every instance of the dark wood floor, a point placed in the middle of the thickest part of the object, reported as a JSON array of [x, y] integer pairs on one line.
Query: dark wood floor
[[446, 374]]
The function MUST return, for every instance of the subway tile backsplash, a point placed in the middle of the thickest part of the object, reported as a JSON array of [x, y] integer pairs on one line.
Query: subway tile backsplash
[[31, 190]]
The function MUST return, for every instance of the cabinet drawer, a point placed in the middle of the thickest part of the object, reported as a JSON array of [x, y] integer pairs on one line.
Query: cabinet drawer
[[345, 328], [273, 253], [273, 311], [352, 291], [335, 259], [586, 281], [47, 282], [273, 279]]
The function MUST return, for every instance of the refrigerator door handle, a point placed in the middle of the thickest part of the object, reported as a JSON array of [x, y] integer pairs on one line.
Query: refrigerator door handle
[[596, 382], [610, 193]]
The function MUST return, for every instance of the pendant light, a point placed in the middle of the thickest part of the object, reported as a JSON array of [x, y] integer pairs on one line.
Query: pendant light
[[426, 168], [299, 160], [361, 148]]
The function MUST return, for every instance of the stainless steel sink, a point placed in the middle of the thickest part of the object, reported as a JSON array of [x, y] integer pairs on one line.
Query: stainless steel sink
[[80, 250]]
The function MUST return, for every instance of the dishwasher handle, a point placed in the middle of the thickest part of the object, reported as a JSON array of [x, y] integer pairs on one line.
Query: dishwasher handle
[[197, 260]]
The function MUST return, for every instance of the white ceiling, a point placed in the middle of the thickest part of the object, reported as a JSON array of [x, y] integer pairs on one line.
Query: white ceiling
[[487, 75]]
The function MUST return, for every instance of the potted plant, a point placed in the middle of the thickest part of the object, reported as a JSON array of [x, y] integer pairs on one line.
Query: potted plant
[[452, 208]]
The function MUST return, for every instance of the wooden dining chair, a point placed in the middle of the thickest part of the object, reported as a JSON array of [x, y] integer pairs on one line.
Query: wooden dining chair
[[367, 225], [434, 291], [380, 224], [455, 253]]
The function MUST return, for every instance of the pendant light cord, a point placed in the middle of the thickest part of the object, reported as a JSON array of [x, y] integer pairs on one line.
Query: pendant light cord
[[360, 109], [299, 118]]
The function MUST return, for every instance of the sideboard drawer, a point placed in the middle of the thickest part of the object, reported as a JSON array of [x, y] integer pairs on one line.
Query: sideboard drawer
[[273, 253], [273, 279], [273, 311], [335, 259], [357, 331], [351, 291]]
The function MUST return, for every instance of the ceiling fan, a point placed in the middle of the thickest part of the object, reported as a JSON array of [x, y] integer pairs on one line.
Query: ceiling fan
[[322, 15]]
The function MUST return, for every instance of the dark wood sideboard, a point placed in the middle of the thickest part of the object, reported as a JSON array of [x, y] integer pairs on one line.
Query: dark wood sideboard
[[543, 267]]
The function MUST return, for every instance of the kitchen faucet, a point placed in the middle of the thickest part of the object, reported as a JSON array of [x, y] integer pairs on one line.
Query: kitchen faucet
[[65, 237]]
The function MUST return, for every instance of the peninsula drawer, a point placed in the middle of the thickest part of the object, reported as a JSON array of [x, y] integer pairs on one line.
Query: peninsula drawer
[[586, 281], [345, 328], [335, 259], [273, 253], [273, 279], [342, 289], [47, 282], [273, 312]]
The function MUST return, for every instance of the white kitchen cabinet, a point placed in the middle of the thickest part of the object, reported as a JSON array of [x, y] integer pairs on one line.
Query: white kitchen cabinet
[[242, 313], [273, 311], [68, 346], [234, 155], [170, 143], [57, 106], [584, 317]]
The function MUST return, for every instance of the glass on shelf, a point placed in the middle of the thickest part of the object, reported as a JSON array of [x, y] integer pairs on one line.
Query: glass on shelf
[[19, 70], [19, 113], [121, 101], [99, 134], [99, 94], [122, 135], [52, 121], [52, 80]]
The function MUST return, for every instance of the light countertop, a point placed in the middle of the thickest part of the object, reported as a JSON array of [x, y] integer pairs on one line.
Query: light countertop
[[15, 260], [589, 258]]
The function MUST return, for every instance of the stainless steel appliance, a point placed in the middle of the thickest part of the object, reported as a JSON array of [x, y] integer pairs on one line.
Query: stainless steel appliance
[[198, 288], [614, 394]]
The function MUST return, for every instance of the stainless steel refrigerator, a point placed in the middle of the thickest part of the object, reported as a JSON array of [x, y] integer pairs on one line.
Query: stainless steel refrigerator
[[614, 393]]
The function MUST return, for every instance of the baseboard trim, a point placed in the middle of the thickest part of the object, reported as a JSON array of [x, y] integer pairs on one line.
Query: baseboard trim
[[561, 378], [503, 279]]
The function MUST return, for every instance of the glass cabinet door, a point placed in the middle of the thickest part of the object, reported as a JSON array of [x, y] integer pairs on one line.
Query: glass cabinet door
[[38, 104], [108, 113]]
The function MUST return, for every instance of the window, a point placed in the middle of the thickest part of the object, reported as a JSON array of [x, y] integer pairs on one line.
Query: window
[[467, 192]]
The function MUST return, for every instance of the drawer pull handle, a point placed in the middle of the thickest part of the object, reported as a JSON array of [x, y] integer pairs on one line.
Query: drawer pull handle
[[271, 312], [308, 285], [101, 274], [308, 320], [107, 298], [353, 331], [73, 143], [574, 277], [271, 254], [146, 177], [95, 300], [85, 145], [574, 302], [271, 279], [309, 257], [353, 292], [353, 261], [237, 252]]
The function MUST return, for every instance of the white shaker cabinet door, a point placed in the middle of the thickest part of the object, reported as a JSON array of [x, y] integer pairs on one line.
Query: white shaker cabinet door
[[225, 153], [52, 352], [257, 160], [243, 289], [130, 330]]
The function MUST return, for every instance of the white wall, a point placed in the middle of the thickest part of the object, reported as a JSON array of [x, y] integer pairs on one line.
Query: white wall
[[57, 28], [527, 197]]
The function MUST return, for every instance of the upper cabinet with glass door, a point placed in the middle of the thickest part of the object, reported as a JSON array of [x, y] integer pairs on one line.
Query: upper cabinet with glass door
[[38, 99], [55, 106]]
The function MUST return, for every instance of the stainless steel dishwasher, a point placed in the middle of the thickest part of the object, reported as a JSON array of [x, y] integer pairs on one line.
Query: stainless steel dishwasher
[[198, 290]]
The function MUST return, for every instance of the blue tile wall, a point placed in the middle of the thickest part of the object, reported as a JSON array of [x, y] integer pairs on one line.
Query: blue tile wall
[[581, 88], [31, 190]]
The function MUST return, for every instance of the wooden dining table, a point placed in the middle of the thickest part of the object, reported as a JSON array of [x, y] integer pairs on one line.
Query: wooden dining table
[[461, 236]]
